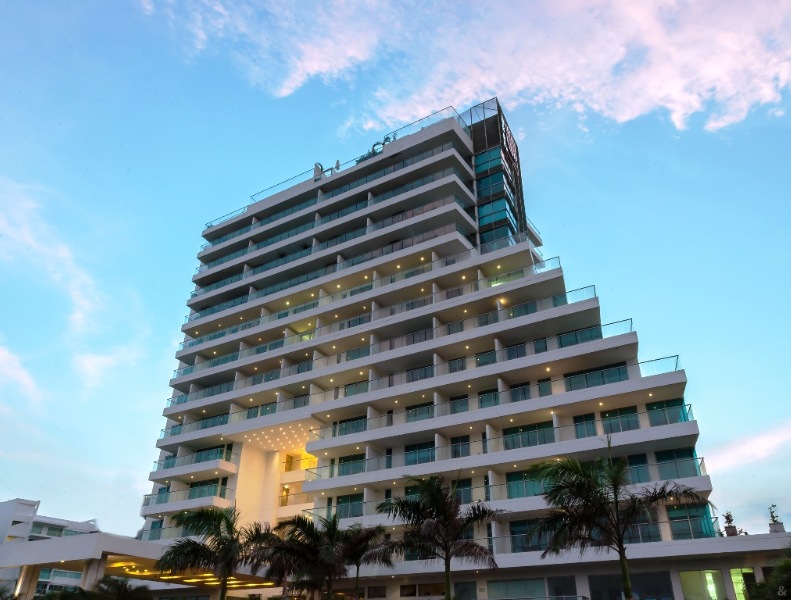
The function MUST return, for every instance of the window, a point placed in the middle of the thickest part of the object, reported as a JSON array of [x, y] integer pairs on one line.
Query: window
[[594, 377], [545, 387], [376, 591], [540, 346], [525, 436], [350, 506], [487, 319], [460, 446], [456, 326], [457, 364], [490, 159], [621, 419], [519, 485], [485, 358], [359, 352], [638, 468], [520, 391], [690, 521], [674, 464], [349, 465], [572, 338], [515, 351], [347, 426], [585, 425], [420, 373], [416, 454], [667, 412], [520, 310], [419, 412], [352, 389], [488, 398], [522, 540], [408, 591], [459, 404], [464, 490]]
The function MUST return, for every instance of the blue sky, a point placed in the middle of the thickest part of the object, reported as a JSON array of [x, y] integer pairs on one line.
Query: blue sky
[[654, 139]]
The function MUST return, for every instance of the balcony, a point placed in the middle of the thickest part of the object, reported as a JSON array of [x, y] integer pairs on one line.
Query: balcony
[[443, 115], [199, 457], [529, 435], [480, 320], [330, 194], [388, 280], [317, 248], [323, 272], [216, 496], [410, 376]]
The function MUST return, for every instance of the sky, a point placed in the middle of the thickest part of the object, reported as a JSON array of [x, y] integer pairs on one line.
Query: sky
[[655, 140]]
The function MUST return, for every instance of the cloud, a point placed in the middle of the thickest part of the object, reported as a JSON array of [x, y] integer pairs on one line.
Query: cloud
[[749, 450], [26, 238], [721, 58], [13, 373]]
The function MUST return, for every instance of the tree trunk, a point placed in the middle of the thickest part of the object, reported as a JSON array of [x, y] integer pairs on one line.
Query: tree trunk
[[223, 586], [357, 583], [447, 579], [626, 581], [329, 588]]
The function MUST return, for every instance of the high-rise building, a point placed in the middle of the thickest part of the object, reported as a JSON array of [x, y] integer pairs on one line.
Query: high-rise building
[[394, 316]]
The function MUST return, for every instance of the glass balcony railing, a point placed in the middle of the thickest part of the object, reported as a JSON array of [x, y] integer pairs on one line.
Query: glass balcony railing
[[171, 462], [526, 435], [318, 247], [412, 338], [295, 499], [202, 491], [333, 193], [318, 273], [441, 115], [163, 533], [552, 263], [196, 426]]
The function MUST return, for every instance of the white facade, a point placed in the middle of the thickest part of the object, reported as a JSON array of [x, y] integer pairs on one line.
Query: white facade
[[20, 522], [396, 318]]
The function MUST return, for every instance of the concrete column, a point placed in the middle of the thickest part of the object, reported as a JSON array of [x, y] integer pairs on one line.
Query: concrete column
[[28, 579], [583, 588], [675, 584], [92, 573]]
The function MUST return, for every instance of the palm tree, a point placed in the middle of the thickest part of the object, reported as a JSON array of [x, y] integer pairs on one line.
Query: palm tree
[[365, 546], [119, 588], [316, 551], [224, 546], [592, 506], [7, 594], [436, 526]]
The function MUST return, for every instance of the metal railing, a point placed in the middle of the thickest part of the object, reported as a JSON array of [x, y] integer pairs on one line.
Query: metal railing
[[346, 293], [318, 273], [526, 436], [472, 322], [326, 196], [171, 462], [337, 240], [335, 359], [202, 491]]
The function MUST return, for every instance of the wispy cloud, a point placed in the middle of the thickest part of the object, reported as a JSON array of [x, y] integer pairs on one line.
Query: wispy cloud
[[26, 238], [748, 450], [618, 59], [14, 374]]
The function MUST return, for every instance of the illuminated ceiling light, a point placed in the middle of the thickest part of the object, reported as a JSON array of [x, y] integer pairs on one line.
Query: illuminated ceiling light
[[464, 277], [498, 266], [547, 368]]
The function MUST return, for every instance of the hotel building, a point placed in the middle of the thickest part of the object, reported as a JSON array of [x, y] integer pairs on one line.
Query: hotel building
[[394, 316]]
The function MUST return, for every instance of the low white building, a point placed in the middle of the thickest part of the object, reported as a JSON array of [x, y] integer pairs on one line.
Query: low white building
[[20, 522]]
